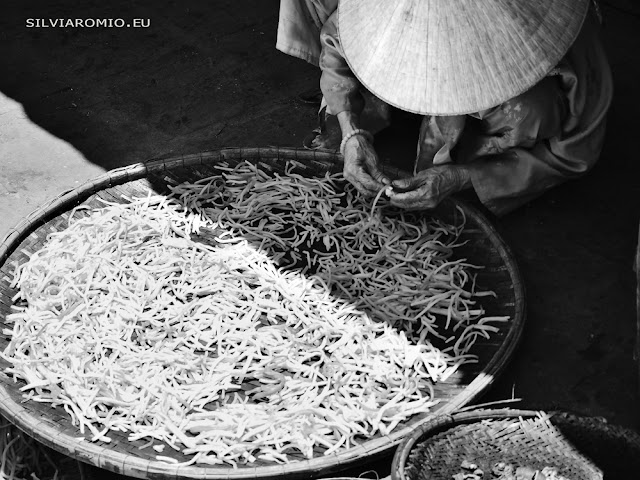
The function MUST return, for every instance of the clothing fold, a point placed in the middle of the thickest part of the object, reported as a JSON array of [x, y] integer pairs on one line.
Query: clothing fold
[[519, 149]]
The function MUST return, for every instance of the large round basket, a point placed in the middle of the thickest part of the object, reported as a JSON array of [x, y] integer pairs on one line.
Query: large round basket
[[51, 426]]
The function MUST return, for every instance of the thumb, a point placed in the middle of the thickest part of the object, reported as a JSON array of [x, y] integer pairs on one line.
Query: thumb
[[379, 176], [404, 184]]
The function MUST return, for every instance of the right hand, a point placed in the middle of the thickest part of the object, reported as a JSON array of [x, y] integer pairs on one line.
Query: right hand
[[429, 187], [362, 167]]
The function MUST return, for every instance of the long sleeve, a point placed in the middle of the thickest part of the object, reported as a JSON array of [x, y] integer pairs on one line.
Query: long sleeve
[[339, 85], [551, 133], [299, 25]]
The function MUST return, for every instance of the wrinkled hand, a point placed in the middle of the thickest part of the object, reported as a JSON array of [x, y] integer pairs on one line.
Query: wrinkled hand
[[429, 187], [362, 168]]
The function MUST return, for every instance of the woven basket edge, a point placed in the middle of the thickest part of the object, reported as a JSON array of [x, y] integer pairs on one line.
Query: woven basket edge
[[141, 170]]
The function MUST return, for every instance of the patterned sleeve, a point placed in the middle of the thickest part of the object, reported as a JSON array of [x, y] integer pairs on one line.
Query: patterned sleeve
[[339, 85]]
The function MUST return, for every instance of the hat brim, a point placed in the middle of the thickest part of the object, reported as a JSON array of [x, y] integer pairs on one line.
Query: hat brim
[[455, 57]]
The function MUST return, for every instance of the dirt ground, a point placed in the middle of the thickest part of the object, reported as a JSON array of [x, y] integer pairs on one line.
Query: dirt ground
[[75, 102]]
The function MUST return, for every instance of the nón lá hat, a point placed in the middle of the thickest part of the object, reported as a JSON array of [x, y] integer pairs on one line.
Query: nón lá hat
[[447, 57]]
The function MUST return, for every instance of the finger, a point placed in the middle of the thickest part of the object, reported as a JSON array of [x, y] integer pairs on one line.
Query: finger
[[372, 175], [369, 185], [411, 203], [412, 200], [378, 175], [405, 184], [362, 181], [373, 182]]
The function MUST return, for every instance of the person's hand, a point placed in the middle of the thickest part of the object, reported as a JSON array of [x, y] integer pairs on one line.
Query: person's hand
[[362, 168], [429, 187]]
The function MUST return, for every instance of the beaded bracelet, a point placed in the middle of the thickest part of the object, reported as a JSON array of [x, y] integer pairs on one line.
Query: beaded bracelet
[[357, 131]]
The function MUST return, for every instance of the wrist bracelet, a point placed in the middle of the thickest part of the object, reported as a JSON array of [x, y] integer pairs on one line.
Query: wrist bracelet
[[358, 131]]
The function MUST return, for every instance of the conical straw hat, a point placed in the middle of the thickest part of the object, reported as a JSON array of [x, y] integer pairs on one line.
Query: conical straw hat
[[446, 57]]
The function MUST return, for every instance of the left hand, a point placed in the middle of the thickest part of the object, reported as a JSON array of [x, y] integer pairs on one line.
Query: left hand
[[362, 167], [429, 187]]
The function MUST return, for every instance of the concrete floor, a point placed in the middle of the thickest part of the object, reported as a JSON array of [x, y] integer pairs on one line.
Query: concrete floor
[[75, 102]]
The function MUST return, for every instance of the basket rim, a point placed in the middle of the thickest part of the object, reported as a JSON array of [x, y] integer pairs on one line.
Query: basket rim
[[444, 421], [130, 464]]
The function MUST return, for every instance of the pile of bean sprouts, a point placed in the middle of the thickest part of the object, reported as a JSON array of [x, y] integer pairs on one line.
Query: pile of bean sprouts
[[244, 316]]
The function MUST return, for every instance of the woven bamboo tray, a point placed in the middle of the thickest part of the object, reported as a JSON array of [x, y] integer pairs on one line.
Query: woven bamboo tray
[[52, 427], [524, 439]]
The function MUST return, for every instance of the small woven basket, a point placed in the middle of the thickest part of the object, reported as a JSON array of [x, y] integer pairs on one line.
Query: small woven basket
[[490, 443]]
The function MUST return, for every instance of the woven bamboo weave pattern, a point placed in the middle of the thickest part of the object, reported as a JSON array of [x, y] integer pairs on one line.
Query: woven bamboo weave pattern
[[492, 441], [52, 426], [445, 58]]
